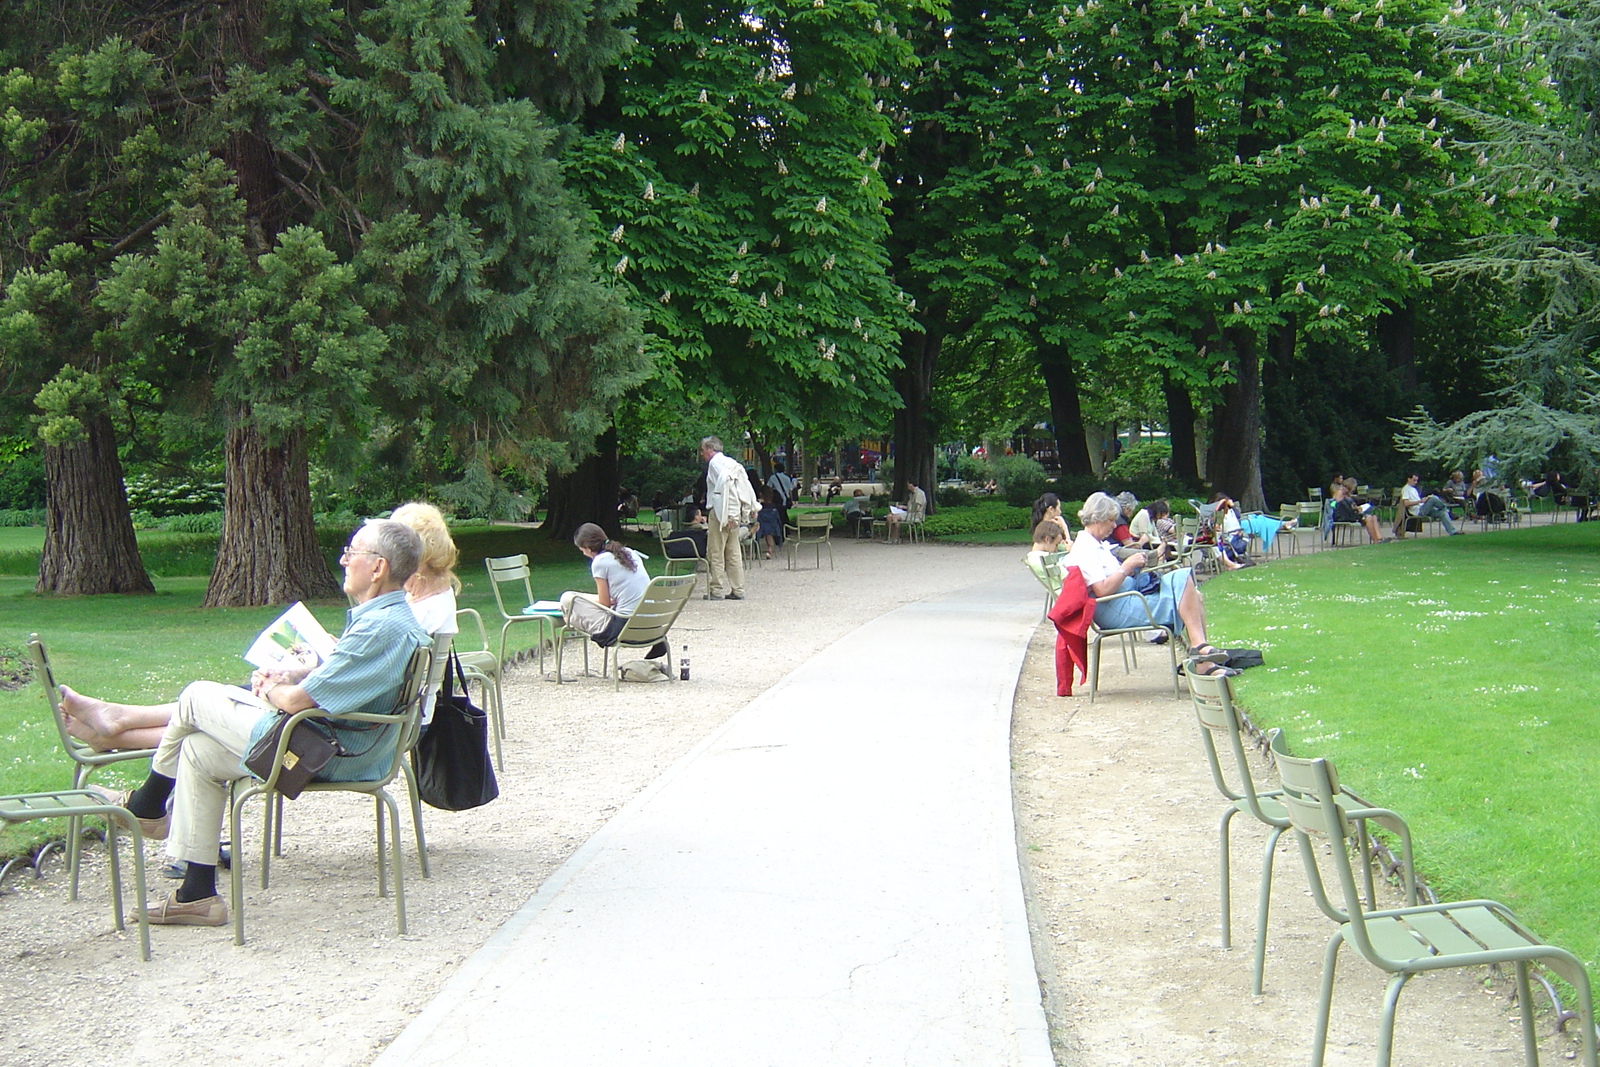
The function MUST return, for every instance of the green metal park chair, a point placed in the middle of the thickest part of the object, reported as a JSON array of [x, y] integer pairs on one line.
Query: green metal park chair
[[1407, 941]]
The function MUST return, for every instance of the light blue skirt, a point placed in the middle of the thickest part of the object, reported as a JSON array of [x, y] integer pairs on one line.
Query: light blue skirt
[[1126, 612]]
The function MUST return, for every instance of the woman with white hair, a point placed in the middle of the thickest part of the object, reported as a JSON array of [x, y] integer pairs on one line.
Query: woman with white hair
[[1173, 598]]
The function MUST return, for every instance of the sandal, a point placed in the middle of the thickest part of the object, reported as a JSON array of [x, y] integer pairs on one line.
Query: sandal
[[1215, 655], [1217, 670]]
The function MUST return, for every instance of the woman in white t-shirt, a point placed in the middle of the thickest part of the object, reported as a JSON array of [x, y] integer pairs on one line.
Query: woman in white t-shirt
[[431, 591], [619, 584], [1173, 598]]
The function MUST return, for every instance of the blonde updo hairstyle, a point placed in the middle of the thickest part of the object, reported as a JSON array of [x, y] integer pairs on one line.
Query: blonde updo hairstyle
[[439, 553]]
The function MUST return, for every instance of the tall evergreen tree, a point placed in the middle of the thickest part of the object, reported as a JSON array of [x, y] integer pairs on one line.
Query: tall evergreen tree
[[1546, 413], [336, 197]]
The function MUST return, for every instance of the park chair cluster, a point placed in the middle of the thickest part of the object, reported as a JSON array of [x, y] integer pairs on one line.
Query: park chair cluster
[[652, 620], [1319, 810]]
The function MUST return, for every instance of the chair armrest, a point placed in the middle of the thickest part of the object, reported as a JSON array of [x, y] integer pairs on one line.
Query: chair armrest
[[483, 633]]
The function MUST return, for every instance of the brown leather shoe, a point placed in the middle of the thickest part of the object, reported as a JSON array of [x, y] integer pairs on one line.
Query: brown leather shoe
[[153, 829], [207, 911]]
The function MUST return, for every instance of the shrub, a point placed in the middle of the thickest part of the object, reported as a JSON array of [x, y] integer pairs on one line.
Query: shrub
[[1020, 479], [988, 516], [21, 516], [952, 496], [1147, 457], [22, 483], [972, 469], [173, 496], [208, 522]]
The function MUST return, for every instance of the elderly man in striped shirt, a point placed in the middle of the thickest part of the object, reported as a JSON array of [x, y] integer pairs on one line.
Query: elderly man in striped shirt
[[214, 725]]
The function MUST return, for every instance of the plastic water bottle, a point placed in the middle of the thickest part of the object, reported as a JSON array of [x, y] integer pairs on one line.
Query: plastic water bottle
[[683, 665]]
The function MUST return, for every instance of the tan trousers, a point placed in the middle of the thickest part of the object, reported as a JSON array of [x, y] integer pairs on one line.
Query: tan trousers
[[725, 557], [202, 749]]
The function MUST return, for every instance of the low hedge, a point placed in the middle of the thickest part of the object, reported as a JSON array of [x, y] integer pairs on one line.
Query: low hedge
[[986, 517]]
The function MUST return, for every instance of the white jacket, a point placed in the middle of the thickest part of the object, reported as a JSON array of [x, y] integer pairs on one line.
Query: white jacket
[[728, 492]]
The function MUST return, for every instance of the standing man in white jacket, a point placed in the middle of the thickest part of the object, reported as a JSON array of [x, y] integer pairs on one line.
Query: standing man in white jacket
[[732, 504]]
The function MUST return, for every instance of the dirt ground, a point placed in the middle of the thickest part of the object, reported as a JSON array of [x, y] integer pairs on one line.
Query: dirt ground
[[1117, 821]]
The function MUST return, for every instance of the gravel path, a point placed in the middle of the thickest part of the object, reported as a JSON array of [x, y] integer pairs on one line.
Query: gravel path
[[1117, 826], [323, 979]]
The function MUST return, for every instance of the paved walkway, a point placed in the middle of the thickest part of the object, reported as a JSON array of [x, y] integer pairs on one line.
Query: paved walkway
[[830, 878]]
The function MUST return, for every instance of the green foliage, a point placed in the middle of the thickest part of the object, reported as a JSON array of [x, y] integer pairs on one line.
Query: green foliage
[[734, 173], [1144, 458], [1489, 757], [208, 522], [22, 481], [21, 516], [1019, 479], [984, 517], [953, 496], [161, 496]]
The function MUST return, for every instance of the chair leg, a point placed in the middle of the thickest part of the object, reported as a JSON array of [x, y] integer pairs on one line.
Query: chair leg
[[1330, 962], [236, 868], [399, 872], [116, 872], [416, 816], [1226, 883], [1530, 1041], [266, 838], [1391, 998], [139, 889], [1263, 906], [381, 835], [1094, 668]]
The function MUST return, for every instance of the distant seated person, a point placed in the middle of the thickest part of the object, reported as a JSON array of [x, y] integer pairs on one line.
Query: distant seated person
[[1485, 502], [1123, 542], [897, 514], [835, 487], [620, 581], [1048, 509], [856, 511], [1046, 554], [627, 504], [689, 541], [1551, 486], [1232, 544], [1173, 598], [1152, 528], [1412, 505], [1347, 510], [1454, 491]]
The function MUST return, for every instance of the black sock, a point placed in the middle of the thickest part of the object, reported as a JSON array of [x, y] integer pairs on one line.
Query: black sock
[[199, 882], [149, 801]]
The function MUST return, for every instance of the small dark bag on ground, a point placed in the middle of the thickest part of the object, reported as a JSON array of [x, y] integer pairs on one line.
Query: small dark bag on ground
[[310, 750], [1241, 659], [452, 758]]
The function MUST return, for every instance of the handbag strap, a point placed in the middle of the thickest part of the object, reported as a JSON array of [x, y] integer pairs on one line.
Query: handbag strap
[[452, 674]]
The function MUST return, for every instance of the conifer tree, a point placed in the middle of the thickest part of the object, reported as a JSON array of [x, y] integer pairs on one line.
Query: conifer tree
[[321, 223]]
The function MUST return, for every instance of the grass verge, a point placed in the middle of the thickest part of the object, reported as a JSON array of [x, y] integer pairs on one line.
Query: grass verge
[[1451, 679], [144, 649]]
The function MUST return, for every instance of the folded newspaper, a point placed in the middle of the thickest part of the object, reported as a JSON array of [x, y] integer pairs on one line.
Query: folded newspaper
[[295, 639]]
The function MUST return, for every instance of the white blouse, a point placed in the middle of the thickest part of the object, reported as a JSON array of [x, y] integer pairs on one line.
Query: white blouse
[[1093, 558]]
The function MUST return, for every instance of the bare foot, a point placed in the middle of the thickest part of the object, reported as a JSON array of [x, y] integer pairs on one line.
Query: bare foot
[[97, 717]]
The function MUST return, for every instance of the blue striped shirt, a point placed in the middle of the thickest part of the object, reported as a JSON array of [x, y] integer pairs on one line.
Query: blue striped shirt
[[363, 674]]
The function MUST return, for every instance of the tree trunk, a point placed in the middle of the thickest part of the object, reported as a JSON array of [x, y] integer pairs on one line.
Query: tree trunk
[[269, 552], [1180, 432], [89, 545], [1397, 335], [1234, 460], [588, 494], [1061, 382], [913, 431]]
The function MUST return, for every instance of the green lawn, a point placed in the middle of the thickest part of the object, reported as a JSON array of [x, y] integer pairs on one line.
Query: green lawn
[[1453, 680], [146, 648]]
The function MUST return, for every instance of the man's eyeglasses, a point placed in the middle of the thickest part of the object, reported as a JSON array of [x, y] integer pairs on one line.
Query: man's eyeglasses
[[352, 550]]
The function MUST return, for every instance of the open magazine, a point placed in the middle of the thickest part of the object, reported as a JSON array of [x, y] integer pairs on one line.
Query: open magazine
[[295, 639]]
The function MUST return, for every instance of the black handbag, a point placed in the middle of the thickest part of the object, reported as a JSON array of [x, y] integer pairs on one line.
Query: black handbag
[[309, 751], [452, 758]]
